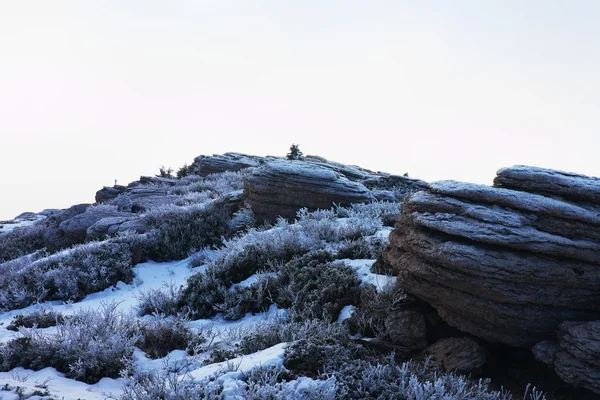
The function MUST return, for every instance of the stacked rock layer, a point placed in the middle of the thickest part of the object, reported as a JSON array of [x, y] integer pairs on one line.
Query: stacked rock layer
[[507, 263]]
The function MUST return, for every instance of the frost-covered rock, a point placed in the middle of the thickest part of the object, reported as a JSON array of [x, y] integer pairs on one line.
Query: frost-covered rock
[[110, 226], [281, 188], [504, 265], [462, 355], [109, 192], [205, 165], [77, 226], [576, 355]]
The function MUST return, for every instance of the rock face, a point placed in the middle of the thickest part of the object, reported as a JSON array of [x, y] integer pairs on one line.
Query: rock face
[[110, 226], [205, 165], [576, 355], [78, 226], [507, 264], [462, 355], [281, 188]]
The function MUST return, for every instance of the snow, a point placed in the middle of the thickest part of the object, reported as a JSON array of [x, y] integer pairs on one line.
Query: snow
[[345, 313], [273, 356], [69, 389], [363, 270], [149, 275]]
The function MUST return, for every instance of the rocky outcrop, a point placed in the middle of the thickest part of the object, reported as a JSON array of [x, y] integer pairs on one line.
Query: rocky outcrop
[[461, 355], [576, 355], [281, 188], [206, 165], [108, 193], [110, 226], [505, 264], [398, 186], [78, 226]]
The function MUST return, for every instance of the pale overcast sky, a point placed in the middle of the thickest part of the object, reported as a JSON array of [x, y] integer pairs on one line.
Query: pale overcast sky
[[92, 91]]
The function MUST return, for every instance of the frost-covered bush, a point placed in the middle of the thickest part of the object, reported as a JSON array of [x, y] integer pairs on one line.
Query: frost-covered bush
[[165, 384], [21, 241], [386, 212], [68, 275], [375, 305], [267, 383], [87, 346], [316, 287], [177, 231], [214, 184], [243, 256], [201, 293], [248, 299], [265, 335], [42, 317], [161, 301], [159, 336], [385, 379], [365, 247]]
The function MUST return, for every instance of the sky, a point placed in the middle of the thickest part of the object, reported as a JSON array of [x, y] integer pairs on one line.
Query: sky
[[93, 91]]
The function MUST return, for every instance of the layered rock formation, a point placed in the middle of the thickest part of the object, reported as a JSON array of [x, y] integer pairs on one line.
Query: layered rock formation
[[575, 356], [461, 355], [205, 165], [281, 188], [504, 264]]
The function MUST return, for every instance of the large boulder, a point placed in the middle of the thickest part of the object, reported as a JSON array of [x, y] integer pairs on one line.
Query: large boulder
[[206, 165], [576, 355], [462, 355], [504, 265], [109, 192], [281, 188], [110, 226], [77, 226]]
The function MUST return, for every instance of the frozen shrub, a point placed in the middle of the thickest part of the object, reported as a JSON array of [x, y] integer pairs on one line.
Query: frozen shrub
[[165, 384], [87, 346], [176, 231], [386, 212], [364, 247], [248, 299], [385, 379], [21, 241], [309, 356], [317, 287], [269, 334], [220, 353], [40, 318], [201, 293], [368, 318], [243, 256], [266, 383], [214, 184], [161, 301], [69, 275], [159, 336]]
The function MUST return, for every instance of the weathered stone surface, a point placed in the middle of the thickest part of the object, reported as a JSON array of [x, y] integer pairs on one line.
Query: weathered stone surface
[[281, 188], [461, 355], [576, 355], [400, 186], [568, 185], [407, 328], [504, 265], [147, 197], [205, 165], [109, 192], [110, 226], [77, 226]]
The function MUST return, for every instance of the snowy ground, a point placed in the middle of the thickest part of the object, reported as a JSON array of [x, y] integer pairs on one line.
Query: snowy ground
[[151, 275]]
